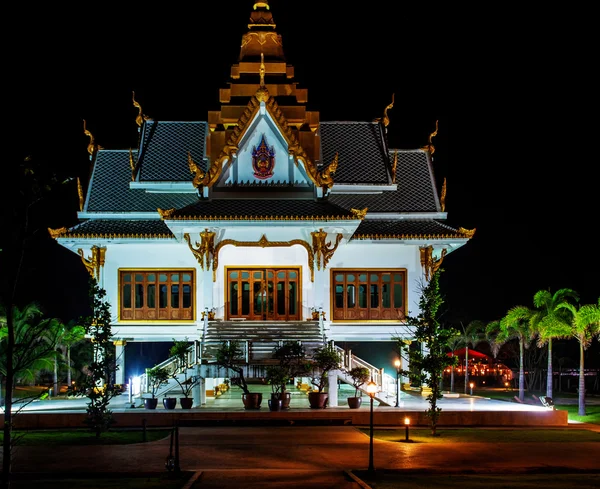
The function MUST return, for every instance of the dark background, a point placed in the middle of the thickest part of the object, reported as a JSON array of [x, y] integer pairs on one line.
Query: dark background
[[518, 153]]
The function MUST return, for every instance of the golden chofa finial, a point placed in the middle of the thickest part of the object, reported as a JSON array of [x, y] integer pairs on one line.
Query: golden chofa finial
[[261, 4], [139, 120], [385, 119], [92, 146], [430, 146]]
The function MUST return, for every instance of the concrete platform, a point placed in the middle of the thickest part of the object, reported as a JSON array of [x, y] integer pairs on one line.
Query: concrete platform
[[228, 409]]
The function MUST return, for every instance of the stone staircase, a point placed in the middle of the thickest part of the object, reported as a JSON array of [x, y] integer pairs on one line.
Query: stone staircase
[[260, 338]]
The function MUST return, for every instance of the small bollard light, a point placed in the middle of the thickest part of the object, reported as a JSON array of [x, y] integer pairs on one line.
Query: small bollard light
[[506, 384], [371, 390], [406, 424], [471, 386]]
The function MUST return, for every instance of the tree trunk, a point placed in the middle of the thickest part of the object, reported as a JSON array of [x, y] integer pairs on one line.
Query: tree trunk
[[7, 429], [521, 372], [581, 380], [466, 368], [452, 376], [549, 374], [68, 367]]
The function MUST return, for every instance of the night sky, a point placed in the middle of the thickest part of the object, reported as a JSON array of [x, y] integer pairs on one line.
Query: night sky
[[519, 161]]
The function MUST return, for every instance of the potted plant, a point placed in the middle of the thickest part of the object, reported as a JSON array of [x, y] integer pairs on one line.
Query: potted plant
[[314, 312], [157, 377], [231, 356], [324, 360], [277, 376], [180, 350], [292, 363], [359, 376]]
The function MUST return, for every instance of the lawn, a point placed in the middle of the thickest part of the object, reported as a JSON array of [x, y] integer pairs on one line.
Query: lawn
[[106, 481], [85, 437]]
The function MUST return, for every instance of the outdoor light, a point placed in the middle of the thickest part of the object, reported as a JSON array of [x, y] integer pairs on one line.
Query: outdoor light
[[398, 365], [471, 386], [406, 424], [371, 390]]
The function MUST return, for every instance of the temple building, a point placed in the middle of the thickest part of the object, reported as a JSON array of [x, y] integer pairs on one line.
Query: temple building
[[260, 222]]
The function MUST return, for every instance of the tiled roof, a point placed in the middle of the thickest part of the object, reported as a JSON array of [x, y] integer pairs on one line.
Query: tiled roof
[[361, 151], [120, 228], [405, 229], [109, 188], [415, 188], [165, 147], [262, 209]]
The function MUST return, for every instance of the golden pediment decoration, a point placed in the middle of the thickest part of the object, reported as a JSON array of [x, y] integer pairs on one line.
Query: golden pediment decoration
[[358, 214], [205, 249], [428, 262], [430, 146], [263, 242], [166, 213], [94, 263], [322, 250]]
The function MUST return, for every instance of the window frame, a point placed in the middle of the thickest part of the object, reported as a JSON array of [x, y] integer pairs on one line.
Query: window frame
[[157, 313], [368, 312]]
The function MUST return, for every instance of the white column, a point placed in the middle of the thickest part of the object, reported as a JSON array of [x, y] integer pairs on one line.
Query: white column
[[332, 388], [120, 361]]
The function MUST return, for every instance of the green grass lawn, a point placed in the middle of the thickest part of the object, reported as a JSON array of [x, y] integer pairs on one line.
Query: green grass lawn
[[84, 437], [485, 435]]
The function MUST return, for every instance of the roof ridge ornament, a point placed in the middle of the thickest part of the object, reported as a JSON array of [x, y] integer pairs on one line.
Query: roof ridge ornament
[[430, 146], [443, 197], [80, 194], [141, 118], [133, 165], [385, 119], [92, 146]]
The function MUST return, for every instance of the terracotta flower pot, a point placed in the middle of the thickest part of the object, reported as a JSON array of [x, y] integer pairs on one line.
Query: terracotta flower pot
[[354, 402], [317, 400], [252, 400]]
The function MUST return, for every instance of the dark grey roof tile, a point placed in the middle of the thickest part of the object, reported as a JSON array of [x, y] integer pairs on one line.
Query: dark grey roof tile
[[164, 150], [405, 229], [361, 152], [120, 228]]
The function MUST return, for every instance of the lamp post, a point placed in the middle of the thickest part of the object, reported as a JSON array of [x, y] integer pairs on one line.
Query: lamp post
[[407, 424], [371, 390], [471, 384], [398, 365]]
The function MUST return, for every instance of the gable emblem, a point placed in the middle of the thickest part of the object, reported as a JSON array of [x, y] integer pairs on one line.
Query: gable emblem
[[263, 160]]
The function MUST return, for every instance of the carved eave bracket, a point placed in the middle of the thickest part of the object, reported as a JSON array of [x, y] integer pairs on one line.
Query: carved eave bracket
[[323, 250], [430, 146], [263, 242], [94, 263], [204, 252], [429, 263]]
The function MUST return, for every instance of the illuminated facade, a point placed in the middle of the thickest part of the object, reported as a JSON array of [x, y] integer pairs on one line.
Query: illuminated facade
[[261, 215]]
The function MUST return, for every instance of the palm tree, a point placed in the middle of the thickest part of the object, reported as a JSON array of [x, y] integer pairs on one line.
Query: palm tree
[[550, 323], [472, 335], [514, 325], [585, 324], [73, 334], [454, 342]]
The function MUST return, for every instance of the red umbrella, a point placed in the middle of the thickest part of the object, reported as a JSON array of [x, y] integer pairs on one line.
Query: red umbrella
[[472, 353]]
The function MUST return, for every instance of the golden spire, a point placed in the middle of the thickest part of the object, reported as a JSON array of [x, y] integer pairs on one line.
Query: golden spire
[[262, 70], [443, 197]]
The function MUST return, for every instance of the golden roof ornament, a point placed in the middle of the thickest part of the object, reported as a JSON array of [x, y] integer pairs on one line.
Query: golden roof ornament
[[166, 213], [469, 233], [385, 119], [358, 214], [394, 166], [139, 120], [264, 4], [443, 197], [57, 233], [430, 146], [92, 146], [133, 165], [80, 194]]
